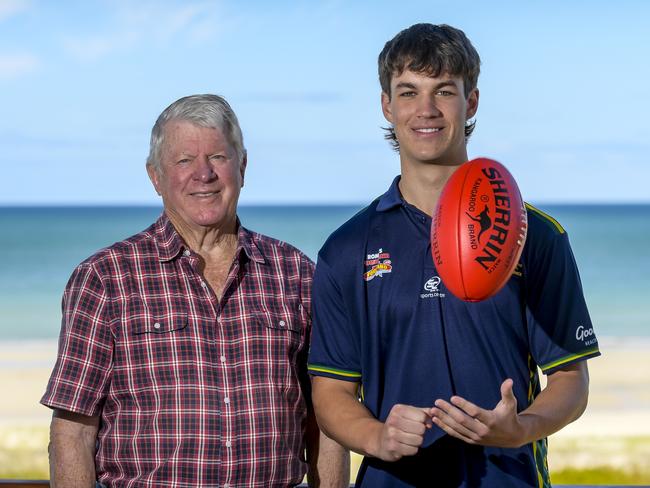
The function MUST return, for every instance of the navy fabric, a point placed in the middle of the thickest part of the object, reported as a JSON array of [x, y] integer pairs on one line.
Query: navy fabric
[[383, 317]]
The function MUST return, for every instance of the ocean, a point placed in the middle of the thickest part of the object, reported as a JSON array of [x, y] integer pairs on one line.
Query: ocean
[[40, 246]]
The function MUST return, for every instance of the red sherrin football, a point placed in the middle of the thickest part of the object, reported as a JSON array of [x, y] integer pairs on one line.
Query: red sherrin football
[[478, 230]]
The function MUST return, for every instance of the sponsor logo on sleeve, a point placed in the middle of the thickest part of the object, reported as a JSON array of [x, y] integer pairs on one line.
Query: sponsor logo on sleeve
[[431, 287], [377, 264], [587, 336]]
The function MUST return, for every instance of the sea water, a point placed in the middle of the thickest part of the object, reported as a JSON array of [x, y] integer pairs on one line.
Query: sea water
[[40, 246]]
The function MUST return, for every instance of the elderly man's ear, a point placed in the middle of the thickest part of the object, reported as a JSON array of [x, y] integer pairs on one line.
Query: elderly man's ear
[[242, 167], [154, 177]]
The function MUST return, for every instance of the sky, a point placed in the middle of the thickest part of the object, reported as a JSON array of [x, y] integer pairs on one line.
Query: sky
[[563, 104]]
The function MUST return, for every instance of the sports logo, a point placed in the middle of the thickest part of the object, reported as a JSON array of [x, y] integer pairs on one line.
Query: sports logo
[[483, 220], [586, 335], [377, 264], [431, 286]]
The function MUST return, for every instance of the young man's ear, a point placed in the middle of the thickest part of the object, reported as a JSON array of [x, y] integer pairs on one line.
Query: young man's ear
[[385, 107], [154, 177], [472, 103]]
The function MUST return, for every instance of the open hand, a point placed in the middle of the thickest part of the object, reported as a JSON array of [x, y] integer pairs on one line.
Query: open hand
[[500, 427]]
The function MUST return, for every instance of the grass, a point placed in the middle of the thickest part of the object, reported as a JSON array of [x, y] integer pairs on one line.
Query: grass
[[23, 455], [600, 475]]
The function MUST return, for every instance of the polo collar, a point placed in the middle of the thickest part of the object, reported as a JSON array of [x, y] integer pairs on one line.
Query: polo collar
[[392, 198]]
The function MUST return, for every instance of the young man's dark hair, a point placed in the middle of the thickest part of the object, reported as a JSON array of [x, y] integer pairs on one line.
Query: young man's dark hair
[[431, 49]]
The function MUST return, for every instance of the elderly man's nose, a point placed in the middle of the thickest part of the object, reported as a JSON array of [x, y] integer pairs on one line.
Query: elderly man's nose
[[204, 170]]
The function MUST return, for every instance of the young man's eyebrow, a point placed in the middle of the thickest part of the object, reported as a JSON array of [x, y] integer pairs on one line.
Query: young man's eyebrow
[[411, 86], [443, 84], [405, 84]]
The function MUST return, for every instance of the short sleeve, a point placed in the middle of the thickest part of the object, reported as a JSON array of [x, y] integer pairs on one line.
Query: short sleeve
[[559, 327], [306, 282], [81, 375], [335, 347]]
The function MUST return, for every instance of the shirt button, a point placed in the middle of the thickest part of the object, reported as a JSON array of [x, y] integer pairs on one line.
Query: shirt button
[[226, 400], [203, 284], [156, 325], [282, 323], [222, 359], [186, 252], [226, 485], [228, 444]]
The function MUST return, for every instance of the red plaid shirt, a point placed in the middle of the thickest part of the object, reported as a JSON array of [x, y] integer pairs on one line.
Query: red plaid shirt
[[192, 391]]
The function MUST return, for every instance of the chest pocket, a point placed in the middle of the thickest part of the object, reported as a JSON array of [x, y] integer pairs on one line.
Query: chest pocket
[[282, 332], [164, 325]]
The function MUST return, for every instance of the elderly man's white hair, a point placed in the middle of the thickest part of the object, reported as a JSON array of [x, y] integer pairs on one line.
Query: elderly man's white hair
[[210, 111]]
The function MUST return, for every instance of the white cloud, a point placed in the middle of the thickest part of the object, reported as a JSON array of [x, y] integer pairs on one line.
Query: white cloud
[[136, 23], [15, 65], [92, 48], [12, 7]]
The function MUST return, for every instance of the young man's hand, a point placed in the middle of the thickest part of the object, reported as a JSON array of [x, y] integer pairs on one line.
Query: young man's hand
[[500, 427], [403, 431]]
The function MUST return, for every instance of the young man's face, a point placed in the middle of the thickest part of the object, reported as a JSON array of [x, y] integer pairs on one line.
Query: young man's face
[[429, 116]]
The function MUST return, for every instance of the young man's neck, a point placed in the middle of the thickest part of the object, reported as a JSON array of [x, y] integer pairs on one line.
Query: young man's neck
[[422, 183]]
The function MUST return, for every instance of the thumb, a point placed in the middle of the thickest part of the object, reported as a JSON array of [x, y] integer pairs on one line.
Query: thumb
[[507, 395], [428, 422]]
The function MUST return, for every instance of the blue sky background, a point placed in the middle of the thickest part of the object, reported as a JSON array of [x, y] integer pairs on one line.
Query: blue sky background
[[564, 102]]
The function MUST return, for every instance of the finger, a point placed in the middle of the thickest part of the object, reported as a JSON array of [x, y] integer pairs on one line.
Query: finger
[[452, 432], [417, 414], [458, 414], [466, 426], [469, 408]]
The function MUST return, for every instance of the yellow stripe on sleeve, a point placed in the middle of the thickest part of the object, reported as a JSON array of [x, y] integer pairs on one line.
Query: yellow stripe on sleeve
[[568, 359], [546, 217]]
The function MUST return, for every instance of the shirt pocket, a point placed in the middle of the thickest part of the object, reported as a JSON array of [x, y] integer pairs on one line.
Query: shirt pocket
[[280, 336], [282, 341], [155, 353], [160, 326]]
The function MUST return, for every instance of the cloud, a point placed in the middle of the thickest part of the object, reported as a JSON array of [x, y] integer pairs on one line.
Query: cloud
[[137, 23], [15, 65], [12, 7], [92, 48]]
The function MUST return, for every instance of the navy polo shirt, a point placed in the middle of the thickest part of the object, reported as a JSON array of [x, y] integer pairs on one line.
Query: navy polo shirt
[[382, 317]]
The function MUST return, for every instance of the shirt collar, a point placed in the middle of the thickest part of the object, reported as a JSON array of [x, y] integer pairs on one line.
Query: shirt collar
[[391, 198], [168, 241], [170, 244], [248, 244]]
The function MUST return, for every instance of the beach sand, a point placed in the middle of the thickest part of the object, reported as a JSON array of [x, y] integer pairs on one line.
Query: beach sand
[[614, 432]]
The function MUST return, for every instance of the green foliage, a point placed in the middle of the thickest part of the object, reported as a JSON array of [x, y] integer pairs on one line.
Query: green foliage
[[600, 475]]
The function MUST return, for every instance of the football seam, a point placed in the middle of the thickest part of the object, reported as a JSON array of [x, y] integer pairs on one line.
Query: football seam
[[459, 234]]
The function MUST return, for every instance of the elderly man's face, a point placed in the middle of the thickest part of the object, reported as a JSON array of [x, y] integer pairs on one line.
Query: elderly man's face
[[200, 176]]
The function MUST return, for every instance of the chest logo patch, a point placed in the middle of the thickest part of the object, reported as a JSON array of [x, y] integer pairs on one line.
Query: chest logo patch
[[431, 287], [377, 264]]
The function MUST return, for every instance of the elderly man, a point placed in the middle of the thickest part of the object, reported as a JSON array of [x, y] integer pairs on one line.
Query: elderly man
[[182, 356]]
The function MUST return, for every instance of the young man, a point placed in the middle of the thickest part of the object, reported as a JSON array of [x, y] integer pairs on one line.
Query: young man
[[449, 392]]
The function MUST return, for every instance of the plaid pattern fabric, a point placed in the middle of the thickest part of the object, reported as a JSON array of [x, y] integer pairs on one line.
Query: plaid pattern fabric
[[192, 390]]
